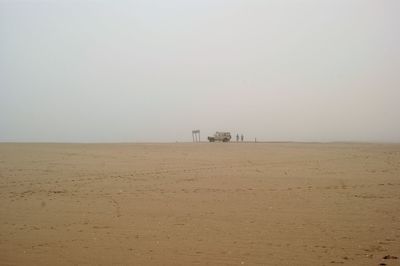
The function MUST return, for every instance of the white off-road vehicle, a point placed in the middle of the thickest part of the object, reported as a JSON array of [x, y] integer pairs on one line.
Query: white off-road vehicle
[[220, 136]]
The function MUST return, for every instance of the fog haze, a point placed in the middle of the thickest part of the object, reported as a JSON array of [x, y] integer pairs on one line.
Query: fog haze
[[143, 71]]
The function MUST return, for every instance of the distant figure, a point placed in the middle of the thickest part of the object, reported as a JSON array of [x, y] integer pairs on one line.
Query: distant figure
[[241, 137], [237, 137]]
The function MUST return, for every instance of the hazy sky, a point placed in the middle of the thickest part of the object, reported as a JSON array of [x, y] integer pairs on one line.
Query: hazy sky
[[92, 71]]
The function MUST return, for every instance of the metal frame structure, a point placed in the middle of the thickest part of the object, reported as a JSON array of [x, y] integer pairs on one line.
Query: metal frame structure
[[196, 135]]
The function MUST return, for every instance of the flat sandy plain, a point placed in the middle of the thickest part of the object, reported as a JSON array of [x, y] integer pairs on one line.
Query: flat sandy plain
[[206, 204]]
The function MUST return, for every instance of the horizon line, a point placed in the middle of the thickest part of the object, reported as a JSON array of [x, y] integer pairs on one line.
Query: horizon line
[[200, 142]]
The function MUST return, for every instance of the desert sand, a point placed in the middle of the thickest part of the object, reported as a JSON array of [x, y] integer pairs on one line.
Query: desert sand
[[204, 203]]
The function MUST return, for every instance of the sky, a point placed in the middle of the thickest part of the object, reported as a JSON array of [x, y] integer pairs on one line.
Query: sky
[[154, 70]]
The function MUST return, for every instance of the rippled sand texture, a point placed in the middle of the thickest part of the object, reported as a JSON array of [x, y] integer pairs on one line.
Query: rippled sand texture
[[183, 204]]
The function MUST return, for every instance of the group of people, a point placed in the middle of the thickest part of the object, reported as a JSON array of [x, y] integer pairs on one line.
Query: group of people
[[241, 137]]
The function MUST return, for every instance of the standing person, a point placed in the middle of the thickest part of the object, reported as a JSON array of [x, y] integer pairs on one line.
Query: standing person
[[242, 137], [237, 137]]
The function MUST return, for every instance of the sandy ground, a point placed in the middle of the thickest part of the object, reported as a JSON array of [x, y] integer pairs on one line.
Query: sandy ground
[[184, 204]]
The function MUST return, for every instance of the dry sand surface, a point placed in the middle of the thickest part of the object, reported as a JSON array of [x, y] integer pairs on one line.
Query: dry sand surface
[[215, 204]]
